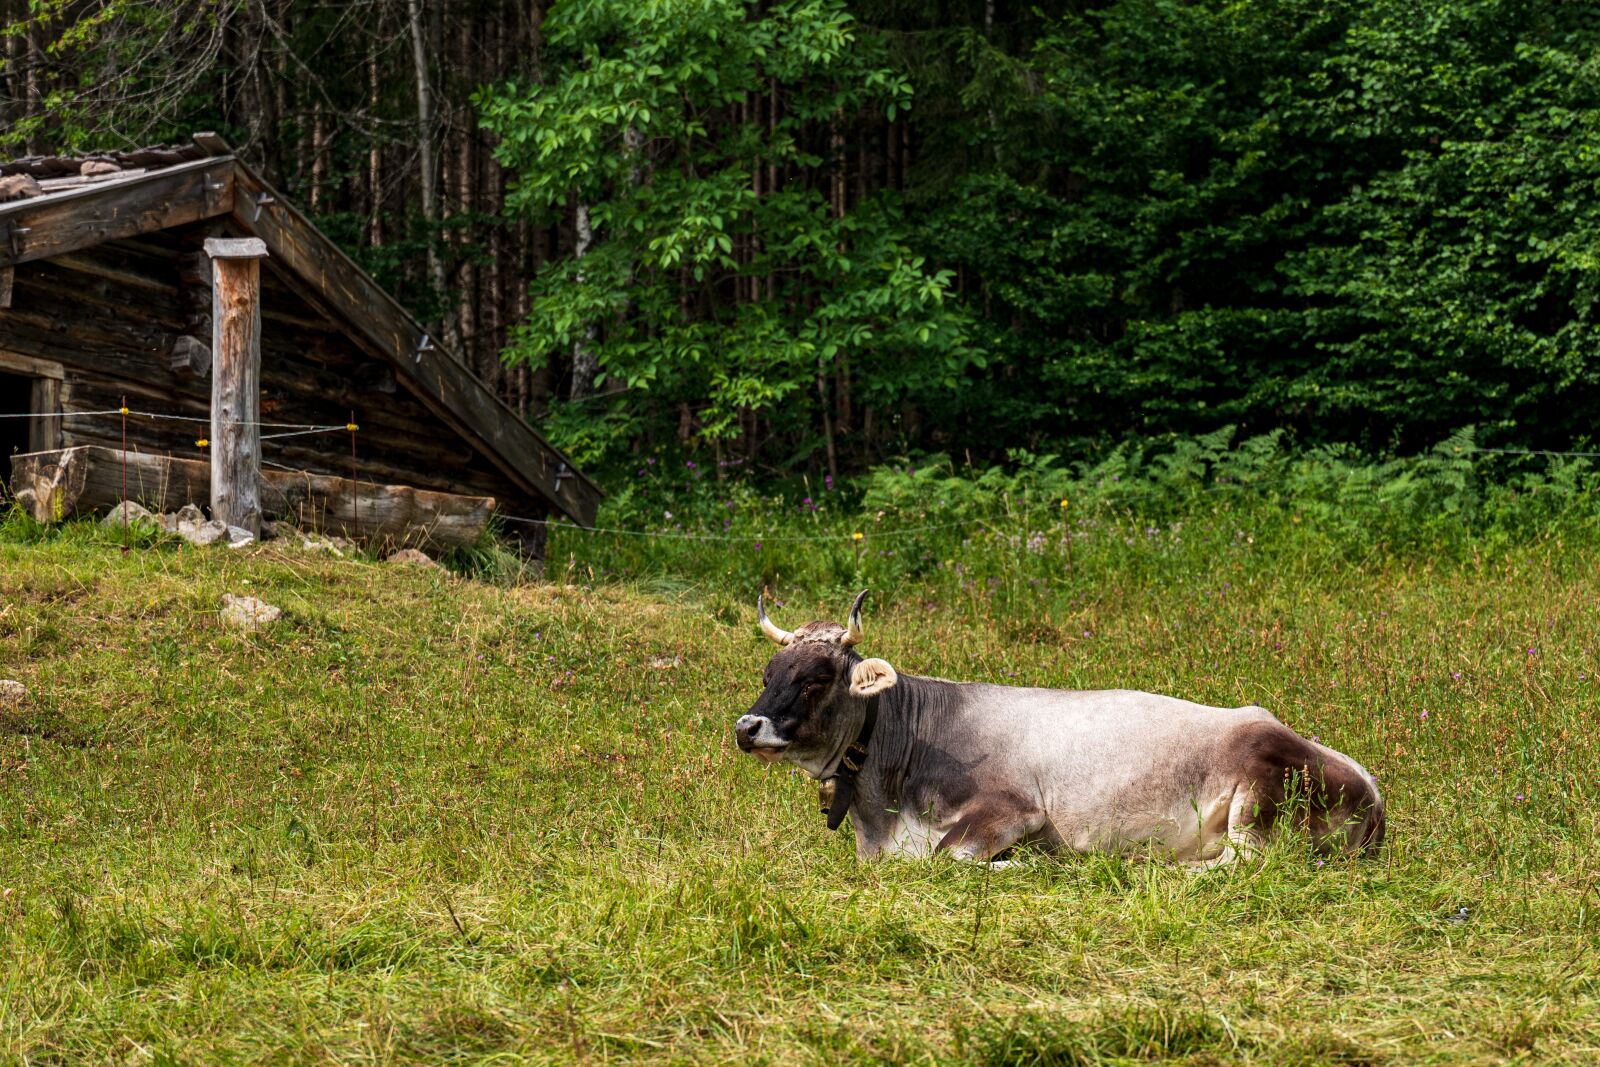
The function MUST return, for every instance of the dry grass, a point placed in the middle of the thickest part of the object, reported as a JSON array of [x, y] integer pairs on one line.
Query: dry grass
[[429, 820]]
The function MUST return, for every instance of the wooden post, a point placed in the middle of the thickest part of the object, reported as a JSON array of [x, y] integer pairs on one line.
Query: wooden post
[[236, 380], [44, 429]]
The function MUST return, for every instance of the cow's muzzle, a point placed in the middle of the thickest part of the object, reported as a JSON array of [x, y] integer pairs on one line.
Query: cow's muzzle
[[747, 733]]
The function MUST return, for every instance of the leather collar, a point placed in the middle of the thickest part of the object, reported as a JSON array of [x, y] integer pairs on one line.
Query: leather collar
[[843, 782]]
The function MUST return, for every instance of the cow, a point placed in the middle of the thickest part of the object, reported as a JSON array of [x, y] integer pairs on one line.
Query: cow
[[925, 765]]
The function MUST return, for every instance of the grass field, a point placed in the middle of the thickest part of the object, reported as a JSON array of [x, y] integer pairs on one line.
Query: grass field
[[424, 819]]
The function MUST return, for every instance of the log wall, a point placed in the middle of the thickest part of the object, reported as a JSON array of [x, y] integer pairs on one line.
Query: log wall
[[113, 314]]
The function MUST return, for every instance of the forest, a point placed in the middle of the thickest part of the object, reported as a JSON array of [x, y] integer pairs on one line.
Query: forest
[[815, 236]]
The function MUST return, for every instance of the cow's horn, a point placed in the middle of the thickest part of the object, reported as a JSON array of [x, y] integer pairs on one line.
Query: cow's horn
[[854, 634], [778, 636]]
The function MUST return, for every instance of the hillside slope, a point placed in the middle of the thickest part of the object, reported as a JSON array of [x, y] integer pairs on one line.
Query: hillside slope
[[423, 819]]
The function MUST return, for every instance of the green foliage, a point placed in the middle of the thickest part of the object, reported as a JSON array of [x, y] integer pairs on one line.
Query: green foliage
[[697, 289], [128, 69], [1040, 529], [1365, 222]]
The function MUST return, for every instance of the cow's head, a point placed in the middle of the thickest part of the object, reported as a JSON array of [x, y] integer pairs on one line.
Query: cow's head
[[816, 690]]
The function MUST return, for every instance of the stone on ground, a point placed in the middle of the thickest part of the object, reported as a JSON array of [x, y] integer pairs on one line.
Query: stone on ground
[[416, 557], [11, 693], [207, 533], [134, 512], [248, 613], [238, 537]]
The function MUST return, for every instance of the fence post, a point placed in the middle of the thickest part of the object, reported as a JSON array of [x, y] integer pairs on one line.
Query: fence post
[[236, 380]]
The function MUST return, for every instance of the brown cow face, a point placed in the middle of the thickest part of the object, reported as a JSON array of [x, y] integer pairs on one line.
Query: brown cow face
[[809, 685]]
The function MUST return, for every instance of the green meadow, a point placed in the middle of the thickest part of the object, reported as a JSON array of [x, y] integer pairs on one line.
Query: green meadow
[[427, 818]]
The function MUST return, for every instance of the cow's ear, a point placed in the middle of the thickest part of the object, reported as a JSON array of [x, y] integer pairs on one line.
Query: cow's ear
[[871, 677]]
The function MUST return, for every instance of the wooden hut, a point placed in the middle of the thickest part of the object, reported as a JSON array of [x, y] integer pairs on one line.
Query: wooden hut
[[107, 291]]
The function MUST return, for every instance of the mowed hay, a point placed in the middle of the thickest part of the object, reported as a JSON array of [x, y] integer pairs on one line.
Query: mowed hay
[[420, 822]]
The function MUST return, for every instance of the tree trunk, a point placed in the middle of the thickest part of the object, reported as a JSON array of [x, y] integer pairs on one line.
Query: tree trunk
[[585, 364], [827, 420], [425, 154]]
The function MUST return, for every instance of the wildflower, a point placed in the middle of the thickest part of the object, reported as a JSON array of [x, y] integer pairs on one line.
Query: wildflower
[[668, 514], [1424, 716], [650, 461], [758, 546], [1456, 675], [1321, 862], [827, 481], [689, 464], [1533, 651], [1063, 501], [1520, 798], [856, 536]]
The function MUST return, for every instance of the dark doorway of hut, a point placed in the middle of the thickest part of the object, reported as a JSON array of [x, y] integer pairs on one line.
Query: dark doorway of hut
[[16, 399]]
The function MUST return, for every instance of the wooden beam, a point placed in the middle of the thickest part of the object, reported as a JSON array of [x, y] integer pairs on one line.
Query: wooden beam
[[236, 385], [212, 144], [428, 371], [28, 366], [190, 357], [81, 481], [45, 226], [8, 281]]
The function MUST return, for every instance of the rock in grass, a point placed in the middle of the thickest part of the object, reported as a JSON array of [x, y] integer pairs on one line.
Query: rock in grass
[[129, 512], [188, 515], [331, 543], [415, 557], [11, 693], [191, 524], [207, 533], [248, 614], [238, 537]]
